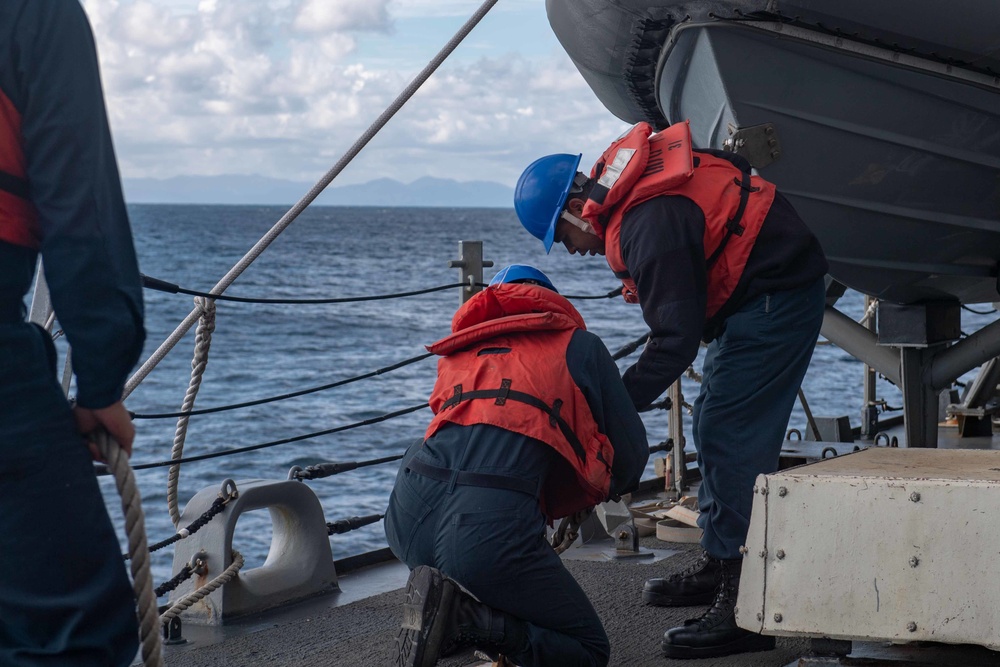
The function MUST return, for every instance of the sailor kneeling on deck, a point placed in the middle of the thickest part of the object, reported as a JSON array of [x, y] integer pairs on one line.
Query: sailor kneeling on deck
[[712, 252], [532, 422]]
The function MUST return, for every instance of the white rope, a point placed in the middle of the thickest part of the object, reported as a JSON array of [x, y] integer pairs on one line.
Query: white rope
[[203, 341], [189, 599], [869, 313], [135, 528], [314, 192]]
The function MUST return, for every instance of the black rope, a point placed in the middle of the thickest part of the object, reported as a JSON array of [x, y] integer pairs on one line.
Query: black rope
[[164, 286], [217, 506], [617, 291], [321, 470], [979, 312], [294, 394], [179, 578], [274, 443], [630, 347], [355, 522]]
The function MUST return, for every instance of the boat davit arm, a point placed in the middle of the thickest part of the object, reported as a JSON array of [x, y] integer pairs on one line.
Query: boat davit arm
[[861, 343], [921, 372]]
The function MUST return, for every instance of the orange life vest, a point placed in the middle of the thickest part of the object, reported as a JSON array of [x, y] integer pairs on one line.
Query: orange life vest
[[18, 217], [505, 365], [638, 167]]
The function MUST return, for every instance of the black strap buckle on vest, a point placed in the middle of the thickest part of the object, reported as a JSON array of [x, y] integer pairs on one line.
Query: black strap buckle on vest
[[505, 393], [14, 185], [466, 478], [733, 226]]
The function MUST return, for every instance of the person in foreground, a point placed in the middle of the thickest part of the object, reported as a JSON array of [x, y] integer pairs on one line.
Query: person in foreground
[[65, 597], [711, 253], [531, 421]]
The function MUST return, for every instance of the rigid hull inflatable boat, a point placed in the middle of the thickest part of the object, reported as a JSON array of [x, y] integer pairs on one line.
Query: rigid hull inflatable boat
[[880, 121]]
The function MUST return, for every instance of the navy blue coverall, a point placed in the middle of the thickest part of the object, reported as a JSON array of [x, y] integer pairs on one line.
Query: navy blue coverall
[[760, 344], [492, 541], [65, 597]]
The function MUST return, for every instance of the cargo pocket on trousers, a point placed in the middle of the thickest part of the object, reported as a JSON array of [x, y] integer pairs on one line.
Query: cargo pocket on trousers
[[491, 547]]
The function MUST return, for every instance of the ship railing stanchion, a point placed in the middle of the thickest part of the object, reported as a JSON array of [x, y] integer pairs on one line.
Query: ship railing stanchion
[[675, 432], [470, 264]]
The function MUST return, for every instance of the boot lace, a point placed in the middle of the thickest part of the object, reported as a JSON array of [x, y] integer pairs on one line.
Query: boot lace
[[723, 605], [692, 569]]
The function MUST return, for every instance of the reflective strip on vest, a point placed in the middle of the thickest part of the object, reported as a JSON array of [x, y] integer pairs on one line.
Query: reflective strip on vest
[[715, 185]]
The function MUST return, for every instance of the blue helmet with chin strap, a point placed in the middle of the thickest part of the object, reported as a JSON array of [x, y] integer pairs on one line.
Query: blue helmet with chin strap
[[522, 273], [541, 194]]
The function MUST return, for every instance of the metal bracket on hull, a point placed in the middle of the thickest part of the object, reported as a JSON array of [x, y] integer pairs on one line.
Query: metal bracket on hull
[[758, 144]]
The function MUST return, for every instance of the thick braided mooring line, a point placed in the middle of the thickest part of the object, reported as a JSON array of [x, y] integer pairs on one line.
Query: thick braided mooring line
[[135, 529], [205, 590], [203, 341]]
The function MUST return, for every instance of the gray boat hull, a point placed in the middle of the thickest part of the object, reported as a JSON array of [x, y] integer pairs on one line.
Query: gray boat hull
[[892, 157]]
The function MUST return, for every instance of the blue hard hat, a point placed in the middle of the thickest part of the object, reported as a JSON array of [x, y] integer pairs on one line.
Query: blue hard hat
[[541, 194], [517, 273]]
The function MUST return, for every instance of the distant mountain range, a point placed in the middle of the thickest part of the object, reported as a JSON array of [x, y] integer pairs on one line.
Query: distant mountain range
[[262, 190]]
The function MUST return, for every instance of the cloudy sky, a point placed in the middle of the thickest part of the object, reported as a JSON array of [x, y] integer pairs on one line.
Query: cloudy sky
[[283, 88]]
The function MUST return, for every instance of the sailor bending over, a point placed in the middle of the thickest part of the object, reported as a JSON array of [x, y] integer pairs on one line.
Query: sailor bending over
[[711, 253]]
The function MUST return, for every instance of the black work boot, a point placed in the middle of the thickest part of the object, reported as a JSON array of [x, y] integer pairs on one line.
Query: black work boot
[[716, 633], [440, 617], [694, 586]]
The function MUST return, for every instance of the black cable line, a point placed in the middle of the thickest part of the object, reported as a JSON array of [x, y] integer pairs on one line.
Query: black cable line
[[173, 583], [171, 288], [346, 525], [629, 348], [322, 470], [275, 443], [217, 506], [617, 291], [979, 312], [294, 394], [164, 286]]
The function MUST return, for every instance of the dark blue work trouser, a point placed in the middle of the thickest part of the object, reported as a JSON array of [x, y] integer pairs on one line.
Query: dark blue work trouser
[[65, 597], [750, 380], [492, 541]]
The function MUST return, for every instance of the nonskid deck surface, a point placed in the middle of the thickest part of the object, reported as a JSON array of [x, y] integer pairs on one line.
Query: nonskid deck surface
[[362, 633], [357, 626]]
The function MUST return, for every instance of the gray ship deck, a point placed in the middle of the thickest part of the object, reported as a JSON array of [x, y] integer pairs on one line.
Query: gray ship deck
[[336, 632], [356, 627]]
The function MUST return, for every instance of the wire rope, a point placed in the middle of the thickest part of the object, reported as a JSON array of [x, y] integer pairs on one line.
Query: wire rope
[[283, 441]]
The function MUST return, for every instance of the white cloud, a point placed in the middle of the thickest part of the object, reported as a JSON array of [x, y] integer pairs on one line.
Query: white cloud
[[277, 87], [316, 16]]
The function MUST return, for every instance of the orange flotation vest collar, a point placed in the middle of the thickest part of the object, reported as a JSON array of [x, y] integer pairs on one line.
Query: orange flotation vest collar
[[642, 165], [505, 365], [18, 217]]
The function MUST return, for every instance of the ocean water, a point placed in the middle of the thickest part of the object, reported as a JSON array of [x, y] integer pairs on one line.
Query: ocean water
[[260, 350]]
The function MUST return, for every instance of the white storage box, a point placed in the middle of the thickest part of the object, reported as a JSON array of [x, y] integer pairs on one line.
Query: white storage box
[[880, 545]]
